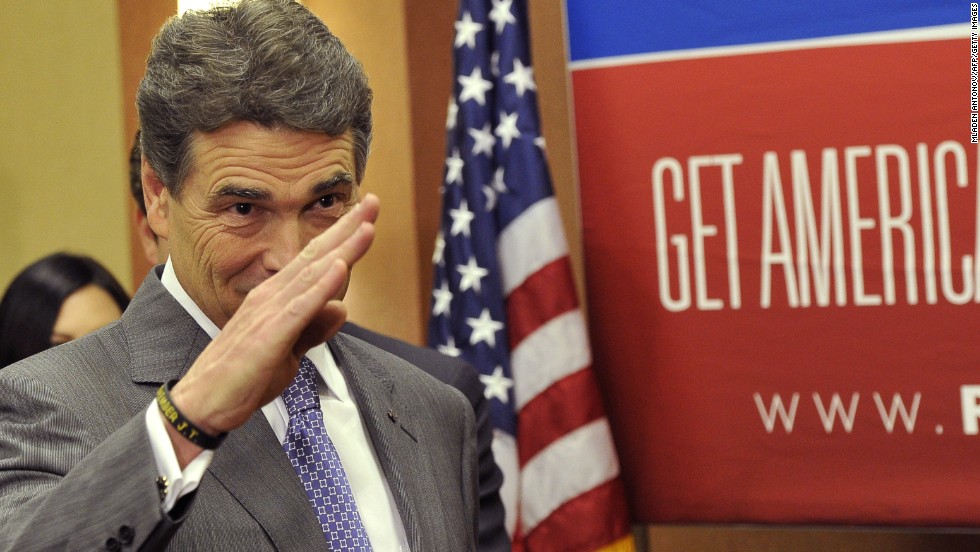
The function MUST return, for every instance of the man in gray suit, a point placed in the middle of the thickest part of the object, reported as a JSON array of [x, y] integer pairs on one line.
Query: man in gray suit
[[493, 536], [256, 124]]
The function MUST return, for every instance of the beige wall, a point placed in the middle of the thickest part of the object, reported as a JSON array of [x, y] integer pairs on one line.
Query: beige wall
[[61, 178]]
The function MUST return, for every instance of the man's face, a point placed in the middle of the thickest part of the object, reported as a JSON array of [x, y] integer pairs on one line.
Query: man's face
[[252, 200]]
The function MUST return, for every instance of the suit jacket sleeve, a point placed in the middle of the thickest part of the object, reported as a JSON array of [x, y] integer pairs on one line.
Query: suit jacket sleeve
[[493, 534], [63, 488]]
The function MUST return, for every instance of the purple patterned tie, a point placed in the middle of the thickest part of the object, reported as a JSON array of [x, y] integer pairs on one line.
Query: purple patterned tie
[[315, 460]]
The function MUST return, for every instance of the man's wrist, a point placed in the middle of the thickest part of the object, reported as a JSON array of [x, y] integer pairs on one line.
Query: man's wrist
[[183, 426]]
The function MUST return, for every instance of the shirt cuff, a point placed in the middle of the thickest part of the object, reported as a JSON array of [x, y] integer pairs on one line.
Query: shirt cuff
[[177, 483]]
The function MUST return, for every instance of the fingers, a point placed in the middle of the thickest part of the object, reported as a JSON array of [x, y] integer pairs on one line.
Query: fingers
[[281, 307], [306, 296], [318, 282], [314, 277], [324, 325], [365, 212]]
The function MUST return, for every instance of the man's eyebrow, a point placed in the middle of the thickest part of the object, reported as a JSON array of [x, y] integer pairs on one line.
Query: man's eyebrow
[[325, 186], [236, 190], [231, 189]]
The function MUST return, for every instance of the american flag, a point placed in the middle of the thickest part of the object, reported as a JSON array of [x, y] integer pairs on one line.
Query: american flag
[[504, 298]]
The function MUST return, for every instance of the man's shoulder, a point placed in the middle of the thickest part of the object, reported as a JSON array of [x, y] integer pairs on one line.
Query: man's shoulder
[[63, 361], [373, 371], [77, 374], [447, 369]]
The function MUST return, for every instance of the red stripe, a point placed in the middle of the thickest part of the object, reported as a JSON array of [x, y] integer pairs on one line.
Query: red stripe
[[566, 406], [544, 295], [596, 517], [517, 542], [585, 523]]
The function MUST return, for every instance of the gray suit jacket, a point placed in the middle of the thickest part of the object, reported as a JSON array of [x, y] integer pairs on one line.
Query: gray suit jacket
[[77, 471], [493, 535]]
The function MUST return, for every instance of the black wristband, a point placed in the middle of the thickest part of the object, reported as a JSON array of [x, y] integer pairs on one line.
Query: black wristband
[[184, 426]]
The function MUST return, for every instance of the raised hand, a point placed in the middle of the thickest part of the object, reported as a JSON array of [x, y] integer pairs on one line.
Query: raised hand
[[258, 351]]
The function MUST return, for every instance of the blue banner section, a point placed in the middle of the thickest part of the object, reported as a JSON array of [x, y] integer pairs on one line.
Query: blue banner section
[[607, 28]]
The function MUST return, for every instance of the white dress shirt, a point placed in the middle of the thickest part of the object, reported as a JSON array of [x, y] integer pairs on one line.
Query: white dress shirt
[[343, 423]]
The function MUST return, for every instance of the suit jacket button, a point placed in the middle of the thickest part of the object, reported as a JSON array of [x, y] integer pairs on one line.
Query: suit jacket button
[[126, 534], [112, 545]]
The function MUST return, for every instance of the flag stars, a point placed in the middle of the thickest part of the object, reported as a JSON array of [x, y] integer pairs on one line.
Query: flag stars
[[466, 30], [462, 218], [507, 129], [498, 181], [497, 385], [438, 254], [491, 196], [475, 87], [500, 14], [494, 189], [451, 112], [442, 298], [485, 329], [483, 140], [470, 275], [521, 77], [454, 168], [449, 349]]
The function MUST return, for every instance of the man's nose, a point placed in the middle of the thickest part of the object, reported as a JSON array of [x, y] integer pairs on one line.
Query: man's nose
[[284, 242]]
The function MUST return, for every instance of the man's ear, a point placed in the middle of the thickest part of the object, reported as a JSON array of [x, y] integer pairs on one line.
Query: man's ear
[[158, 200], [147, 238]]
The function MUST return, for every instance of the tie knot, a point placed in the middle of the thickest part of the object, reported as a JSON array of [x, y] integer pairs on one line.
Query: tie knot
[[301, 394]]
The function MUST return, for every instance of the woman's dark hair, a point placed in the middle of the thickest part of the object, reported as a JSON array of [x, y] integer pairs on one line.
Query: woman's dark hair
[[31, 304]]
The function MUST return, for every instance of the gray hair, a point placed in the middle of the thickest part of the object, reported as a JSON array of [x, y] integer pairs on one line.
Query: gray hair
[[271, 62]]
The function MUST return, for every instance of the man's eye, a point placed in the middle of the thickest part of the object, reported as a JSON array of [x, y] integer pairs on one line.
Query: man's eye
[[328, 201], [243, 208]]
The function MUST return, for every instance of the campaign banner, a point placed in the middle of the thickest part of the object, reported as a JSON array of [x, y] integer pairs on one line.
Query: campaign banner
[[782, 245]]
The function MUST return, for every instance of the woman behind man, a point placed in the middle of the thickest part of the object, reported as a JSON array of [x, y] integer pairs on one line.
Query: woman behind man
[[56, 299]]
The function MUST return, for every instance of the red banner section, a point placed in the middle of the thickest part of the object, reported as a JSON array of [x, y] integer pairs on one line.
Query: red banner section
[[783, 263]]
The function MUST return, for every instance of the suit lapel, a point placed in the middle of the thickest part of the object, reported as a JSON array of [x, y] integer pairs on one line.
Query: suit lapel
[[394, 432], [164, 340], [253, 467]]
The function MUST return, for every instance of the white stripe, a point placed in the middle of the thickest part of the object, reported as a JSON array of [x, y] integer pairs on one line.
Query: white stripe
[[939, 32], [529, 242], [578, 462], [555, 350], [505, 454]]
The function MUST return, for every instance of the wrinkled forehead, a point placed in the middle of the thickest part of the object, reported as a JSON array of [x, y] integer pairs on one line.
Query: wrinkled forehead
[[244, 153], [248, 142]]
